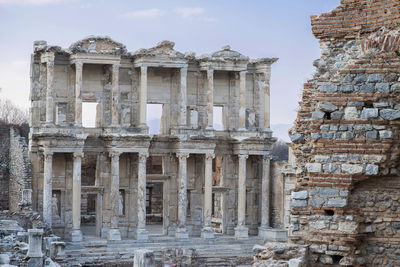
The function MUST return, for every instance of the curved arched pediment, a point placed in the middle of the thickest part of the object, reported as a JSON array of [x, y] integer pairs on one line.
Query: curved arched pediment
[[99, 45]]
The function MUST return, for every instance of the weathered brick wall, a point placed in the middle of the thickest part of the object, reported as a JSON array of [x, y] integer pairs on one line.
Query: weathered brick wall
[[4, 160], [347, 133]]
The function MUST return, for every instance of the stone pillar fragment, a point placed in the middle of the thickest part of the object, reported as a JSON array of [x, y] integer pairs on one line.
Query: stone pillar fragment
[[76, 235], [210, 98], [242, 100], [35, 254], [143, 96], [241, 231], [207, 231], [114, 233], [47, 187], [141, 232], [265, 196], [78, 95], [50, 90], [115, 94], [182, 232], [183, 97]]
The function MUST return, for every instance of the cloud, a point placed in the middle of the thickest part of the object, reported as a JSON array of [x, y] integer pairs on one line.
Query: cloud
[[30, 2], [193, 13], [189, 12], [142, 14]]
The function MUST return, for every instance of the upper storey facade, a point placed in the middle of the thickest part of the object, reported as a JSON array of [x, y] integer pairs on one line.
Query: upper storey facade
[[100, 70]]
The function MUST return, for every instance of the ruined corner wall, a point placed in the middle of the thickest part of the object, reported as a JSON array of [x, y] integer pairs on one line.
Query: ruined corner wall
[[20, 174], [346, 139], [4, 165]]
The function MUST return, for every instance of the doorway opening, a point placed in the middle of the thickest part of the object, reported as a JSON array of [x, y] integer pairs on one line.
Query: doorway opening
[[88, 214], [154, 208]]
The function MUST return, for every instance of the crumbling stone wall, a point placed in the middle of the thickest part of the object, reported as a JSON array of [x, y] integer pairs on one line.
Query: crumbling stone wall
[[4, 160], [346, 135], [20, 184]]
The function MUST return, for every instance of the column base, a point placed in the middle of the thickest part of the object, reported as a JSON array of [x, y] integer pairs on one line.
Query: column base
[[181, 233], [207, 233], [76, 236], [114, 235], [142, 234], [271, 234], [241, 232]]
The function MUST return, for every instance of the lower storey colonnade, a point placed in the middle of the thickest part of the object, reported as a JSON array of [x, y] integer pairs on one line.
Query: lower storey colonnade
[[137, 208]]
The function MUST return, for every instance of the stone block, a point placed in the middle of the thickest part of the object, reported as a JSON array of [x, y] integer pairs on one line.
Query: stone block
[[395, 88], [351, 113], [316, 202], [318, 225], [328, 88], [328, 192], [298, 203], [330, 167], [385, 134], [389, 114], [113, 235], [371, 135], [360, 78], [346, 88], [297, 137], [299, 195], [349, 227], [318, 115], [367, 88], [321, 158], [336, 202], [336, 115], [315, 136], [368, 113], [241, 232], [313, 167], [273, 235], [352, 168], [144, 258], [371, 169], [382, 88], [374, 78], [327, 106]]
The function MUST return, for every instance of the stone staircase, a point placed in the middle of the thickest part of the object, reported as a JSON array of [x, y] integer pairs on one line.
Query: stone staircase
[[222, 251]]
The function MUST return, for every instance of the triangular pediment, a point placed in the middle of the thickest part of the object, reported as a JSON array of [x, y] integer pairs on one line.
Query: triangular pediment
[[98, 45]]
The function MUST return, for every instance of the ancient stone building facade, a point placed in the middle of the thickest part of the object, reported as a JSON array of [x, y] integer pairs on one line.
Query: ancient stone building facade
[[116, 172], [346, 139]]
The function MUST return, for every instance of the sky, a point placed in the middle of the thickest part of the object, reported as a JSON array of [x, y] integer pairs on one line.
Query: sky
[[255, 28]]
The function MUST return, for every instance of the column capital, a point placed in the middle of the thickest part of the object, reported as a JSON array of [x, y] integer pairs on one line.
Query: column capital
[[181, 155], [210, 156], [48, 153], [114, 153], [143, 156], [78, 65], [143, 68], [78, 154], [115, 67], [243, 156], [210, 72], [243, 73]]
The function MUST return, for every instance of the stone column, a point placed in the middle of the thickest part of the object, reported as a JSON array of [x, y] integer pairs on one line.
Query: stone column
[[115, 94], [114, 233], [266, 90], [76, 235], [210, 98], [183, 97], [265, 196], [181, 231], [242, 101], [241, 231], [35, 254], [47, 187], [207, 231], [141, 232], [78, 96], [143, 96], [50, 90]]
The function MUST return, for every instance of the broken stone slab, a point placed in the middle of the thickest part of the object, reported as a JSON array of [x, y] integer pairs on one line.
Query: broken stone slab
[[143, 258], [8, 227], [389, 114]]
